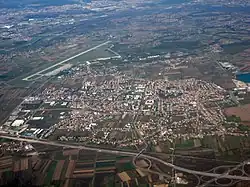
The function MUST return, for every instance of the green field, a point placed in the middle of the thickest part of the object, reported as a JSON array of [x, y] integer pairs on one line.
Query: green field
[[236, 47], [105, 164], [50, 173], [185, 144], [100, 52]]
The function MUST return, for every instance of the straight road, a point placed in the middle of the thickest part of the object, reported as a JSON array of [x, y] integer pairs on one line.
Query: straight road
[[68, 59], [127, 153]]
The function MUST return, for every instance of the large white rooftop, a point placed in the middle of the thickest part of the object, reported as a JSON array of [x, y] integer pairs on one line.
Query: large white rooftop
[[17, 123]]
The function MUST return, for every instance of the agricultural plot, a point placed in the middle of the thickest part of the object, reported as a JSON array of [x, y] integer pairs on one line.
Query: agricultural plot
[[105, 167], [70, 169], [84, 171], [5, 164], [50, 172], [87, 156], [58, 169]]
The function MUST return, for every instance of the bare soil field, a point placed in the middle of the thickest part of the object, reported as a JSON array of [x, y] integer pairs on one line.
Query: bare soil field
[[242, 111]]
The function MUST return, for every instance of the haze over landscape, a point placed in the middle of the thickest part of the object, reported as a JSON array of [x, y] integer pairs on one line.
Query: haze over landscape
[[116, 93]]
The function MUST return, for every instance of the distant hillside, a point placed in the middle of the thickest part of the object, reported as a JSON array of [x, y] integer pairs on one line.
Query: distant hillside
[[35, 3], [174, 1]]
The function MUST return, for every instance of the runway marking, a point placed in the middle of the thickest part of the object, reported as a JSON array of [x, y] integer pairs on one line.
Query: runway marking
[[66, 60]]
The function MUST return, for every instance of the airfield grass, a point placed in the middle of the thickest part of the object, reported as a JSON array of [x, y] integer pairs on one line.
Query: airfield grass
[[100, 52], [97, 53], [92, 55]]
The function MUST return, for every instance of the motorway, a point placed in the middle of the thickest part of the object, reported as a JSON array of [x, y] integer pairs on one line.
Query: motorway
[[127, 153], [66, 60], [223, 174]]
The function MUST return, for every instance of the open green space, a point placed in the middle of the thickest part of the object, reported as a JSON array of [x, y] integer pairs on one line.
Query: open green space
[[2, 140], [236, 47], [105, 164], [50, 172], [49, 118], [242, 127], [125, 166], [233, 118], [49, 70], [100, 52], [185, 144], [177, 45], [59, 156], [92, 55]]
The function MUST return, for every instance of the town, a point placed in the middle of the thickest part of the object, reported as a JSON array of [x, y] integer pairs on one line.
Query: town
[[101, 104], [122, 93]]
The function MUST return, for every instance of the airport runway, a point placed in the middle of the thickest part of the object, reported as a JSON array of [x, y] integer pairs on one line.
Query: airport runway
[[66, 60]]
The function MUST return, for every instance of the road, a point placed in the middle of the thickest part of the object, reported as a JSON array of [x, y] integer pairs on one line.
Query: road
[[223, 174], [194, 157], [68, 59], [127, 153], [234, 98]]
